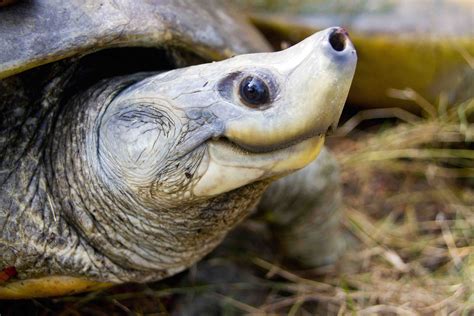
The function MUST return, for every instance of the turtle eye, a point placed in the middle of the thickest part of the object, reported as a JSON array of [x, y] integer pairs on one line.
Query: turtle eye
[[254, 91]]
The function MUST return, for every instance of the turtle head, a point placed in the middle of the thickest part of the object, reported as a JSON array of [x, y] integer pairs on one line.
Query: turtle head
[[251, 117]]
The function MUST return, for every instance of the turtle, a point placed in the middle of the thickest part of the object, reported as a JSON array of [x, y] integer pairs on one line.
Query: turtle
[[135, 135]]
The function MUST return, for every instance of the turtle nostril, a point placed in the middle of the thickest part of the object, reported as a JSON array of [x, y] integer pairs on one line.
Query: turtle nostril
[[337, 39]]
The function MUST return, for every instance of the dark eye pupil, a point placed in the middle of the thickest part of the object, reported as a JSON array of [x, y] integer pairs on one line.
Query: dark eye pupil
[[254, 91]]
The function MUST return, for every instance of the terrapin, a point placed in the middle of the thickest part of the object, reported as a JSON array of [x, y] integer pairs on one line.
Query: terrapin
[[125, 155]]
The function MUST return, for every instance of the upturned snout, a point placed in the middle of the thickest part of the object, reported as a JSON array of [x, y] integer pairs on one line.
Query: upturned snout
[[314, 77]]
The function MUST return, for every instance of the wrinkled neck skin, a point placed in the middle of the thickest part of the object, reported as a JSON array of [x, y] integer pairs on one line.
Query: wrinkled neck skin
[[142, 224]]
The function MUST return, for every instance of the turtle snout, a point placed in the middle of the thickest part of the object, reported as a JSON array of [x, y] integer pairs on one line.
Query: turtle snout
[[339, 42]]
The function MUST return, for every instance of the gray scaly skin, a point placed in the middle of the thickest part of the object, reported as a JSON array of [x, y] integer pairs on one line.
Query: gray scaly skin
[[140, 176]]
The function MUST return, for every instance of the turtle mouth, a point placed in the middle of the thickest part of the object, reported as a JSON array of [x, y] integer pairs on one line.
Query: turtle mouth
[[244, 148], [248, 150], [240, 147], [230, 166]]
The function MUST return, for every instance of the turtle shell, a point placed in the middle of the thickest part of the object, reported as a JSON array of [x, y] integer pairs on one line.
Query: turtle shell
[[38, 32]]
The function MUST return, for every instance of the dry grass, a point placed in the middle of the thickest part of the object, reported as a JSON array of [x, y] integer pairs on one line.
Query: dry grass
[[410, 204]]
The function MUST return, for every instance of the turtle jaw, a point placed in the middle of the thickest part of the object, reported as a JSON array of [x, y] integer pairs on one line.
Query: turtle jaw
[[230, 166]]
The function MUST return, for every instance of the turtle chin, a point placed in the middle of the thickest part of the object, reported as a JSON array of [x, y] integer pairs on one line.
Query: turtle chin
[[228, 166]]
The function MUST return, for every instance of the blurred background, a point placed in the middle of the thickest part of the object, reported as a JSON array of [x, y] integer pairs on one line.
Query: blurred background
[[406, 155]]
